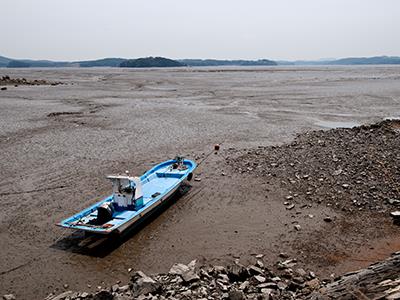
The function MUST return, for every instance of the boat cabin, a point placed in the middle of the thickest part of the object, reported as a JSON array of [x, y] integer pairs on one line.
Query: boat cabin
[[127, 192]]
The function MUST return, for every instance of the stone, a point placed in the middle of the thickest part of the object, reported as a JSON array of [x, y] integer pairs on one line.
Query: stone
[[103, 295], [328, 219], [237, 272], [393, 296], [143, 284], [297, 227], [63, 295], [313, 284], [395, 215], [190, 276], [394, 202], [260, 264], [290, 207], [260, 278], [9, 297], [283, 255], [244, 285], [236, 295], [253, 270], [124, 288], [115, 288], [268, 285], [179, 269], [4, 88]]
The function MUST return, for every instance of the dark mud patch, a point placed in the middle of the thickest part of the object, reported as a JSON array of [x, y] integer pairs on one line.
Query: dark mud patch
[[7, 80], [64, 113]]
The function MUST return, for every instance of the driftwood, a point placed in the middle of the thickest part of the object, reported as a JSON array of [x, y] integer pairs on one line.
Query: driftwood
[[378, 281]]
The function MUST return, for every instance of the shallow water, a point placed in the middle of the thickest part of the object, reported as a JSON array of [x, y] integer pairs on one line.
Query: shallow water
[[336, 124]]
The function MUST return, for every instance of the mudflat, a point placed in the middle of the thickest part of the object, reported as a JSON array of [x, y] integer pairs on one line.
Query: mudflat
[[58, 142]]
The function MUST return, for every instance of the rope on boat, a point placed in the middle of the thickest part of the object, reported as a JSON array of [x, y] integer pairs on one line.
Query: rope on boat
[[215, 150]]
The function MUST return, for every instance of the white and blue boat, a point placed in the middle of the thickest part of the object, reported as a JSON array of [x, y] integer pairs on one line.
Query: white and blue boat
[[133, 198]]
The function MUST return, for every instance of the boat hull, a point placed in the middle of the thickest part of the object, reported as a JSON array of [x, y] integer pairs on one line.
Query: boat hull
[[158, 185]]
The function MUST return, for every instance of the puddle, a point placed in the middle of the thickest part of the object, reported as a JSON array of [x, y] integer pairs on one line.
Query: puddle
[[332, 124]]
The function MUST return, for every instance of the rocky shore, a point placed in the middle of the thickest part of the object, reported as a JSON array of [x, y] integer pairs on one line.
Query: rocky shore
[[239, 282], [7, 80], [348, 169]]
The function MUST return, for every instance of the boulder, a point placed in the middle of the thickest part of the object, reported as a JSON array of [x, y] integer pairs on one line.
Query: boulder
[[143, 284]]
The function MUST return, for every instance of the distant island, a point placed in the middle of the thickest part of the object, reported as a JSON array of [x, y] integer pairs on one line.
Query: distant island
[[162, 62], [151, 62], [222, 62], [376, 60]]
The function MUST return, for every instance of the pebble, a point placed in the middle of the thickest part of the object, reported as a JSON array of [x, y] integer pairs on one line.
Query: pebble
[[290, 207]]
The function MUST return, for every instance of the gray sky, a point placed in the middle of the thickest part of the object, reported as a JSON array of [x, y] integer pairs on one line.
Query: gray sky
[[252, 29]]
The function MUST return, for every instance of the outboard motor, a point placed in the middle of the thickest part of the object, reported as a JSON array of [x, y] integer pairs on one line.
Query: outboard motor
[[105, 213]]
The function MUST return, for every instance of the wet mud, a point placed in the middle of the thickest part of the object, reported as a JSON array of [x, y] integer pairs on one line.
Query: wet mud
[[58, 143]]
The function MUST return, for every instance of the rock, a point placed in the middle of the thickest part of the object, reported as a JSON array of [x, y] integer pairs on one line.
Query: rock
[[393, 201], [143, 284], [283, 255], [297, 227], [395, 215], [124, 288], [301, 272], [393, 296], [236, 295], [291, 206], [313, 284], [178, 269], [244, 285], [190, 276], [4, 88], [219, 269], [9, 297], [328, 219], [115, 288], [237, 272], [260, 264], [269, 285], [260, 278], [253, 270], [103, 295], [63, 295], [259, 255]]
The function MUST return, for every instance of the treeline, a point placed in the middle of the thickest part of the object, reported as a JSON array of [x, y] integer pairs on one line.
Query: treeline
[[223, 62]]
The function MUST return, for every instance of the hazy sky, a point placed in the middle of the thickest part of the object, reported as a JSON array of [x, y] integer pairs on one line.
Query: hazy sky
[[252, 29]]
